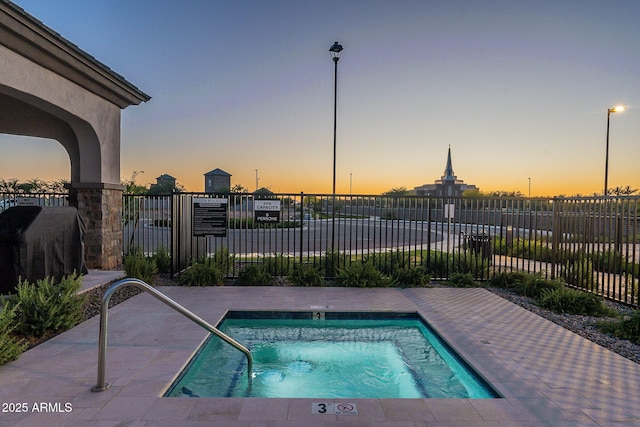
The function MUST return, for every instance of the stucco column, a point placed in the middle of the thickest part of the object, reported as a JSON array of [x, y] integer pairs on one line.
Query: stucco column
[[100, 207]]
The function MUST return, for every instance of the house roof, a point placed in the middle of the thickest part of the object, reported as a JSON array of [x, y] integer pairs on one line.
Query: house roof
[[30, 38], [217, 171], [165, 176]]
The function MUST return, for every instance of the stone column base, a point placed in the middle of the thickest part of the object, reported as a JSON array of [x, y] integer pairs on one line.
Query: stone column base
[[100, 207]]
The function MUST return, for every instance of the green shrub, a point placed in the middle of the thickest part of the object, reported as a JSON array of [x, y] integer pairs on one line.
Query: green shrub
[[254, 275], [223, 260], [331, 263], [579, 272], [627, 328], [140, 267], [135, 251], [206, 272], [470, 262], [462, 280], [536, 249], [411, 277], [10, 347], [612, 261], [439, 264], [512, 280], [162, 259], [609, 261], [278, 265], [46, 307], [536, 285], [363, 275], [572, 301], [388, 262], [305, 275], [443, 264], [530, 285]]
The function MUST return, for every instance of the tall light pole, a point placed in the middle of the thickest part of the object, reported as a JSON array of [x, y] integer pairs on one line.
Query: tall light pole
[[335, 50], [257, 179], [529, 187], [616, 109]]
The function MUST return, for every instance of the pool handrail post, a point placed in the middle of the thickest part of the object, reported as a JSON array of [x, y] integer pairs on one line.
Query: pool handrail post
[[104, 309]]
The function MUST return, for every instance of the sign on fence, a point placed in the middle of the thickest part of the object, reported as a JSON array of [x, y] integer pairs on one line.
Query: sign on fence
[[449, 210], [210, 216], [266, 211]]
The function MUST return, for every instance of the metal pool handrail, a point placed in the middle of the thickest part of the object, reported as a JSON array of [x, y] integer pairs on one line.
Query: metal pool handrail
[[104, 309]]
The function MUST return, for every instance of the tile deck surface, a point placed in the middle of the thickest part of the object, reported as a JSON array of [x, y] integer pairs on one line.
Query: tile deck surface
[[547, 375]]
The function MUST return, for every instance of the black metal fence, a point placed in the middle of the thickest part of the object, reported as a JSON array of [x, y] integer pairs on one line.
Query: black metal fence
[[591, 243], [146, 223], [9, 200]]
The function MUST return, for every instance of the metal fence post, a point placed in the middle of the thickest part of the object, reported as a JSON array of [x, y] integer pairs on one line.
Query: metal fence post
[[555, 230], [301, 224]]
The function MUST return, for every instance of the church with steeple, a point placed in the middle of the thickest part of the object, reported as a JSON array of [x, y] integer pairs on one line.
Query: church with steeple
[[447, 186]]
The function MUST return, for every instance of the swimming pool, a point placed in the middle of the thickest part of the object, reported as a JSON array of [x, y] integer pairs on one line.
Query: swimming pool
[[329, 355]]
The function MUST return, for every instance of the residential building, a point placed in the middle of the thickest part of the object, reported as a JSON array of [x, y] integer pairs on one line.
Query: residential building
[[217, 181], [164, 184]]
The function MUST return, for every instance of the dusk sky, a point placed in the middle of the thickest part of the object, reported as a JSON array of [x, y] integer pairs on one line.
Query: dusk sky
[[517, 89]]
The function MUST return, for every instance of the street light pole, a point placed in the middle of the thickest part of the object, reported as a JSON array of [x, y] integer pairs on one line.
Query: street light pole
[[616, 109], [335, 50], [256, 180]]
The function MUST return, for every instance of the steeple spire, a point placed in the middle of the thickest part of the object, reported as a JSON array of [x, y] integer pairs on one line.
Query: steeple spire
[[448, 170]]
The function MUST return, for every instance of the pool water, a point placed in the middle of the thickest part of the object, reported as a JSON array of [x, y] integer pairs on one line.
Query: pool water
[[374, 356]]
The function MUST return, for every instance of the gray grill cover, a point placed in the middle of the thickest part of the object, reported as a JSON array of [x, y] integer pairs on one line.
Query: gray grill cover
[[37, 242]]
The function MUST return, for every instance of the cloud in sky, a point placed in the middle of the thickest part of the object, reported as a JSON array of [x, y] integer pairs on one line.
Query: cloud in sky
[[518, 89]]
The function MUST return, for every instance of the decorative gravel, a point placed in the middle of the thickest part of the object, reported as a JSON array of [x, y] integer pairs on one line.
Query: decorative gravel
[[582, 325], [94, 298]]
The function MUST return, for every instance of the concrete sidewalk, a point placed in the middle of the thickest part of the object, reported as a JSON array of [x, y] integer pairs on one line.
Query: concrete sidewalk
[[548, 376], [97, 278]]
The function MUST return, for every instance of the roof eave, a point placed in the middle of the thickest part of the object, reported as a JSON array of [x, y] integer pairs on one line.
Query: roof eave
[[30, 38]]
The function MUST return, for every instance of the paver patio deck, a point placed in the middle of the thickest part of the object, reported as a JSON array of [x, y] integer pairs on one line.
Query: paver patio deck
[[547, 375]]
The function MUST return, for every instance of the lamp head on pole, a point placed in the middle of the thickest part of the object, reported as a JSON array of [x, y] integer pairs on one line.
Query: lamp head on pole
[[617, 109], [335, 51]]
